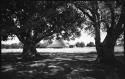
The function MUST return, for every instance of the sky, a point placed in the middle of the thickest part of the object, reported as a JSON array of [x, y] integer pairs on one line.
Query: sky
[[83, 38], [87, 38]]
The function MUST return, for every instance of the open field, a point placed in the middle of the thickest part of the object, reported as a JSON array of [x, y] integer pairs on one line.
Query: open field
[[66, 50]]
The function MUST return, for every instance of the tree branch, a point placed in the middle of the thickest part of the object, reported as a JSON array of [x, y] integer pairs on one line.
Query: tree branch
[[121, 25], [20, 38], [112, 17], [81, 8], [48, 33], [45, 35], [90, 17]]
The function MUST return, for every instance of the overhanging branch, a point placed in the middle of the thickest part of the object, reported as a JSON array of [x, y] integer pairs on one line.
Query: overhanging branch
[[112, 17], [45, 35], [90, 17], [80, 7]]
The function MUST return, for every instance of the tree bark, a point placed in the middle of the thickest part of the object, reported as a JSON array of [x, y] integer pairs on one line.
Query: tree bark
[[106, 51], [98, 42], [29, 50], [108, 56]]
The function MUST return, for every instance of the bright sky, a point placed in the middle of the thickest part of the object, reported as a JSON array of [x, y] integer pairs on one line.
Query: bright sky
[[86, 38], [83, 38]]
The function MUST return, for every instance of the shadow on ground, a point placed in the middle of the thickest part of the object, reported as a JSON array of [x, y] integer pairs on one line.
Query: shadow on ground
[[56, 66]]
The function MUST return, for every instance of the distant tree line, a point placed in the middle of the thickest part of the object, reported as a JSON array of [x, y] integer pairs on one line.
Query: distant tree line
[[14, 45], [40, 45], [82, 44], [19, 45], [90, 44]]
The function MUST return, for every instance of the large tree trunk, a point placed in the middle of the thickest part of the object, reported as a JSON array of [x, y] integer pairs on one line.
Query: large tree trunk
[[106, 51], [29, 50], [98, 42], [107, 55]]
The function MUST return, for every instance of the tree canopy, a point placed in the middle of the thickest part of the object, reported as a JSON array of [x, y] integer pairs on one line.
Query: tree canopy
[[39, 19]]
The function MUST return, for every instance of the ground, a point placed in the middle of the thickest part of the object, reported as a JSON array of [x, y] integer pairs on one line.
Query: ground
[[56, 66]]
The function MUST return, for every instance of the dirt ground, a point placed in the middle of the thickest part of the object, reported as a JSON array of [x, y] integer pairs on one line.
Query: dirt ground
[[56, 66]]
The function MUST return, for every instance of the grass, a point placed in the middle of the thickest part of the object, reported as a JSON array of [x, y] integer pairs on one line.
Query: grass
[[56, 66], [63, 50]]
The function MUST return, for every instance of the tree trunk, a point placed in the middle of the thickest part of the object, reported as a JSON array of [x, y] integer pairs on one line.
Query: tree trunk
[[98, 41], [99, 48], [29, 50], [106, 51], [107, 56]]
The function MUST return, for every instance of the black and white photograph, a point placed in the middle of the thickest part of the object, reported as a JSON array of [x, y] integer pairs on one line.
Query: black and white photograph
[[78, 39]]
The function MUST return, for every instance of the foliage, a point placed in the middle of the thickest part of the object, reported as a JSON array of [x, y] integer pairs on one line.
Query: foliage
[[71, 46], [90, 44], [80, 44], [120, 40], [37, 20], [105, 13], [62, 17]]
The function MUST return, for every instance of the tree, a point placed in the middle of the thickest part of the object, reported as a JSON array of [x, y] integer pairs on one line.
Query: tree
[[106, 15], [90, 44], [32, 21], [80, 44], [71, 46]]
